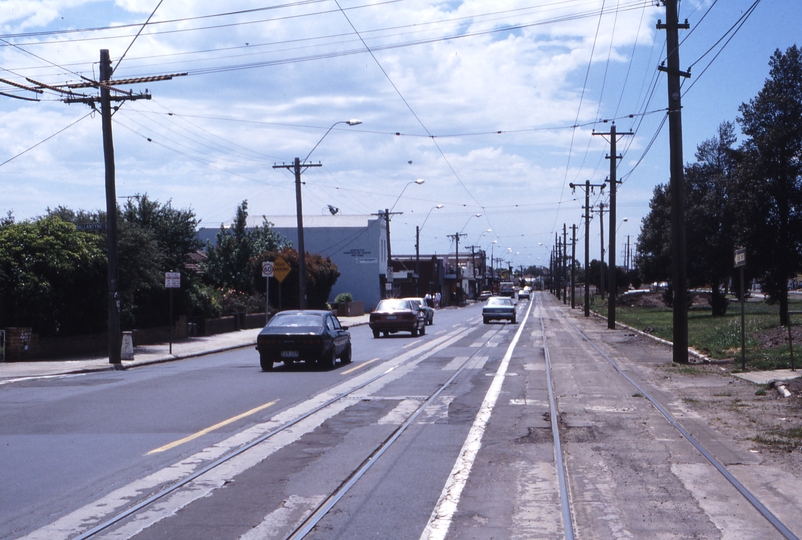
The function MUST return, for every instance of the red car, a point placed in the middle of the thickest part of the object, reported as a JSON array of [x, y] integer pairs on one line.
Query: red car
[[397, 315]]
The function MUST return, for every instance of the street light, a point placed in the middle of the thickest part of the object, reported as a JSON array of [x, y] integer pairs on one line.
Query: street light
[[299, 209], [417, 245], [387, 213], [481, 235], [470, 218], [419, 181]]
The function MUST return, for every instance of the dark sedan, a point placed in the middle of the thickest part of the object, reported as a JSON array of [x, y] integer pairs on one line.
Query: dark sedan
[[499, 307], [397, 315], [311, 336]]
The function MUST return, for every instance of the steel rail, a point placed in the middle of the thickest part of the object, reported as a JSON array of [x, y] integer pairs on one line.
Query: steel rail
[[314, 518], [565, 503], [241, 450], [760, 507]]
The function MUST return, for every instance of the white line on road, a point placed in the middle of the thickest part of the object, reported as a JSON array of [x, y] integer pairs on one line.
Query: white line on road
[[443, 513]]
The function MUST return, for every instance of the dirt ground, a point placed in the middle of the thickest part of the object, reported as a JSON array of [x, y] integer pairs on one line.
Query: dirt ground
[[758, 418]]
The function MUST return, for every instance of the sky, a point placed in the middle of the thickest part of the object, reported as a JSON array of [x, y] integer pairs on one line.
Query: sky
[[493, 105]]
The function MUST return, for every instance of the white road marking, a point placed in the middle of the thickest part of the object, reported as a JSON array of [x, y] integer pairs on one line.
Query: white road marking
[[443, 513], [96, 512]]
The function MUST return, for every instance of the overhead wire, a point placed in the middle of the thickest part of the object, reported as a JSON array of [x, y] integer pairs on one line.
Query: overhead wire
[[62, 130]]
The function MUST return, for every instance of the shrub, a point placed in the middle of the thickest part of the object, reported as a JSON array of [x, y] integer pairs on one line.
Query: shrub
[[344, 297]]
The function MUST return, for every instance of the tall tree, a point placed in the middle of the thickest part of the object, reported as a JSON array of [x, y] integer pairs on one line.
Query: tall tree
[[654, 240], [772, 166], [228, 265], [710, 191], [49, 275]]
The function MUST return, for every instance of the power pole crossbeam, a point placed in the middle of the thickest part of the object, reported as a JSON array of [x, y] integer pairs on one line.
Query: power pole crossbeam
[[588, 187], [612, 288]]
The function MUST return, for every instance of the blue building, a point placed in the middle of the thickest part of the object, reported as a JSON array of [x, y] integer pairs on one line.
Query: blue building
[[355, 243]]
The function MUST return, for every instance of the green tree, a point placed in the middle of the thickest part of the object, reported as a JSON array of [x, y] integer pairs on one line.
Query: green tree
[[49, 277], [153, 238], [770, 172], [654, 240], [711, 189], [228, 263]]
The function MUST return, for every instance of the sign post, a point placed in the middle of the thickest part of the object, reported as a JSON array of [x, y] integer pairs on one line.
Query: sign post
[[267, 273], [280, 270], [172, 280], [740, 262]]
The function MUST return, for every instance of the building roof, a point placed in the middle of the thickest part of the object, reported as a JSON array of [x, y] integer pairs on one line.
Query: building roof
[[321, 221]]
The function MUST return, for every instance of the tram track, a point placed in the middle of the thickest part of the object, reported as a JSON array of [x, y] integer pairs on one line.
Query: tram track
[[414, 355], [753, 499]]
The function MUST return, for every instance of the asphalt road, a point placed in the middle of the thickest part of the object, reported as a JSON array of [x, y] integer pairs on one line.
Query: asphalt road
[[476, 462]]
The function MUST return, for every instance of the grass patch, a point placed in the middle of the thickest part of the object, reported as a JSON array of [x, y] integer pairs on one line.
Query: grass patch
[[781, 439], [720, 337]]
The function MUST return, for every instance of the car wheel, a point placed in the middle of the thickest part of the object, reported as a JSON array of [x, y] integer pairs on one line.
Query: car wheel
[[415, 332], [486, 321], [267, 364], [376, 334], [423, 329], [346, 357], [513, 319]]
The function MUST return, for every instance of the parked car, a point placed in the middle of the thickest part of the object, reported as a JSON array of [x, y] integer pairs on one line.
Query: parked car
[[484, 295], [311, 336], [428, 312], [499, 307], [397, 315]]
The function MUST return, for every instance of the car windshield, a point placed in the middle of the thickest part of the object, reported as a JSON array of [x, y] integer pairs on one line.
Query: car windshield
[[393, 304], [497, 301], [296, 320]]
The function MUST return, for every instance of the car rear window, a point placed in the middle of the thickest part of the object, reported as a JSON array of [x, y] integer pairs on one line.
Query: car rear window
[[296, 320], [392, 305], [495, 301]]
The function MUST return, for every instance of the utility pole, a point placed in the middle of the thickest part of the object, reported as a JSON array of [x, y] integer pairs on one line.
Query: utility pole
[[565, 265], [389, 271], [679, 275], [473, 265], [601, 262], [456, 270], [417, 260], [106, 86], [573, 266], [558, 265], [613, 157], [588, 189], [299, 216]]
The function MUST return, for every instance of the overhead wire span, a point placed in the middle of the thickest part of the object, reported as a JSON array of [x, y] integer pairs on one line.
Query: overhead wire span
[[46, 139]]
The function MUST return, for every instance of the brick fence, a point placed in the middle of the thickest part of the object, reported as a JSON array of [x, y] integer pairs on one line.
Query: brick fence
[[24, 344]]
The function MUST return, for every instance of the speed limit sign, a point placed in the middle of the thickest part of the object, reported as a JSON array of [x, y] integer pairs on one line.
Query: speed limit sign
[[267, 269]]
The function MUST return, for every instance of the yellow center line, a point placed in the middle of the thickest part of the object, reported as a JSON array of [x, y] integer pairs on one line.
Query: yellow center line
[[212, 428], [360, 366]]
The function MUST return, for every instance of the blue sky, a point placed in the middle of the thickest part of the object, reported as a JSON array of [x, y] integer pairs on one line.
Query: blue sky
[[493, 104]]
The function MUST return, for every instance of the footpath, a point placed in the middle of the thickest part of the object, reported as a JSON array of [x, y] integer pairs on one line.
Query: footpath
[[143, 355]]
